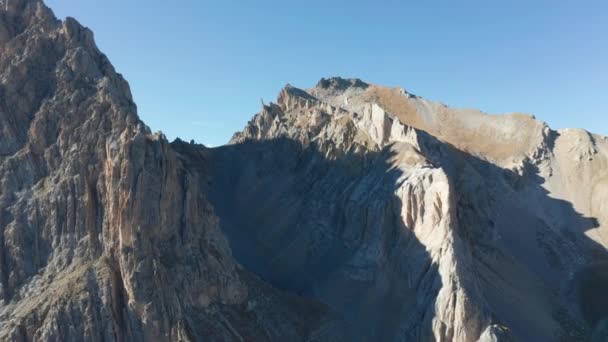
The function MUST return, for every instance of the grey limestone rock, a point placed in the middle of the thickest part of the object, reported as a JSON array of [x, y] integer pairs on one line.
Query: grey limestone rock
[[348, 211]]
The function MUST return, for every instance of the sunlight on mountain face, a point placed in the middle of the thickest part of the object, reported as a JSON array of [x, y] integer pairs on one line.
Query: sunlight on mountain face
[[348, 211]]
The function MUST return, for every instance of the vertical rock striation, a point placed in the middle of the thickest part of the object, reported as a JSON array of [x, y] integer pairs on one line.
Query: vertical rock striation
[[348, 211], [105, 234], [414, 220]]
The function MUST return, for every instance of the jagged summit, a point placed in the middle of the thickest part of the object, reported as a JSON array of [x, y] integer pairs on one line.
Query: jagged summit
[[293, 91], [16, 5], [348, 211], [521, 211], [340, 83], [106, 233]]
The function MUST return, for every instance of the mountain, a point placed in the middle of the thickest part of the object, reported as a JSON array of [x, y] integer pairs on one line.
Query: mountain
[[106, 233], [416, 221], [348, 211]]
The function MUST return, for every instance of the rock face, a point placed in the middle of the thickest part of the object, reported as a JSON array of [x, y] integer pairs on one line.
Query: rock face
[[348, 211], [416, 221], [105, 231]]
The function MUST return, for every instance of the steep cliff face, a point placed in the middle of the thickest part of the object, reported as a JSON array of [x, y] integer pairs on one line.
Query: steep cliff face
[[414, 220], [105, 231], [334, 214], [348, 211]]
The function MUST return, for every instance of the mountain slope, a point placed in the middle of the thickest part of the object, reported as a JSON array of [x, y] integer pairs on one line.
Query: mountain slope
[[413, 236], [348, 211], [105, 233]]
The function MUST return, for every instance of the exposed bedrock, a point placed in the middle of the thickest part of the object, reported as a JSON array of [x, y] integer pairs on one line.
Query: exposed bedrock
[[348, 211]]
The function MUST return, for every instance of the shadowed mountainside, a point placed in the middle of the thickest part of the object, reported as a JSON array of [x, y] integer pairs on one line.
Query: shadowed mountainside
[[290, 201], [105, 233], [322, 229], [348, 211]]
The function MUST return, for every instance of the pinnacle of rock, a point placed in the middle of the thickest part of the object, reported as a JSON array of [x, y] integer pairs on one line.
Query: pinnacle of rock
[[340, 83]]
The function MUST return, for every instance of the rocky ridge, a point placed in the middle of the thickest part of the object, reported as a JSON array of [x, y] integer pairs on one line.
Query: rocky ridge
[[504, 230], [106, 234], [348, 211]]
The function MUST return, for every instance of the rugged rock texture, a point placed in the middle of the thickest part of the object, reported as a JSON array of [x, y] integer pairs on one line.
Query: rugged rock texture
[[348, 211], [417, 221], [105, 231]]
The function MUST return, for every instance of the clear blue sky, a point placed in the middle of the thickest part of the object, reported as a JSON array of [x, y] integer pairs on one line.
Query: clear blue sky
[[198, 68]]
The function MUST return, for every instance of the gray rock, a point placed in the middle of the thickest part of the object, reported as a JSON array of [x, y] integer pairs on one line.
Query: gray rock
[[348, 211], [105, 232], [413, 236]]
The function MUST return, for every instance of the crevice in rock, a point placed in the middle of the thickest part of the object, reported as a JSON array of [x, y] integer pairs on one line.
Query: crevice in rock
[[119, 306]]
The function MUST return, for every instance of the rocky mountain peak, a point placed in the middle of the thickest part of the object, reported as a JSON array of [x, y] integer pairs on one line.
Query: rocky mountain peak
[[494, 167], [339, 83], [347, 211], [105, 230], [16, 6], [18, 15], [291, 93]]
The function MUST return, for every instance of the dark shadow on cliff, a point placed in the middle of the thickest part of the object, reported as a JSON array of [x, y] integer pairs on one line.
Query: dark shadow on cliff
[[304, 223], [328, 229], [511, 217]]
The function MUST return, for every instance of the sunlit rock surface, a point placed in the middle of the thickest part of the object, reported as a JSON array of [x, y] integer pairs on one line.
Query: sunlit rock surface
[[348, 211]]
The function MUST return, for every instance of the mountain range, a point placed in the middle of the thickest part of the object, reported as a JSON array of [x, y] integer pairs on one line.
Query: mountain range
[[348, 211]]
